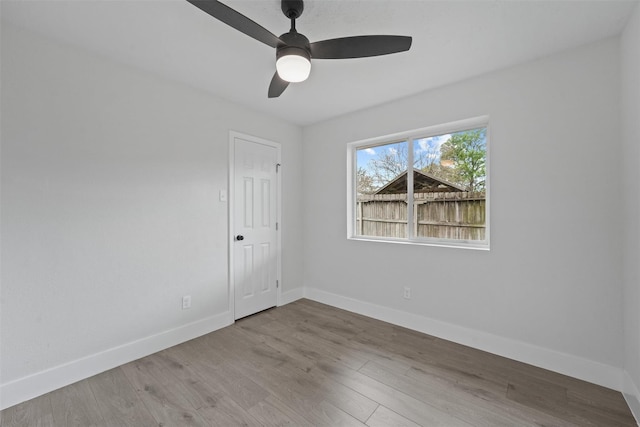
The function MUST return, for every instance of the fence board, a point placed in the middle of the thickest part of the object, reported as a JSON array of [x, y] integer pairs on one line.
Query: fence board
[[459, 216]]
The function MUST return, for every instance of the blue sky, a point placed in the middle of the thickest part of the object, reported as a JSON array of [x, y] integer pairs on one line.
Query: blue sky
[[429, 146]]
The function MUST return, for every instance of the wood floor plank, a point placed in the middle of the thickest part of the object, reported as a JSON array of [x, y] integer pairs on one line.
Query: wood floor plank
[[309, 364], [459, 377], [233, 383], [307, 395], [350, 401], [385, 417], [217, 408], [599, 414], [538, 393], [396, 400], [226, 378], [117, 400], [605, 405], [273, 412], [309, 342], [473, 406], [383, 344], [196, 351], [167, 399], [549, 397], [75, 405], [358, 353], [305, 356], [213, 396], [326, 414], [303, 393], [494, 399], [330, 320], [36, 412]]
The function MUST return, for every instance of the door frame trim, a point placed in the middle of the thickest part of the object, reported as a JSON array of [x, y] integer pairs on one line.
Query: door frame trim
[[230, 215]]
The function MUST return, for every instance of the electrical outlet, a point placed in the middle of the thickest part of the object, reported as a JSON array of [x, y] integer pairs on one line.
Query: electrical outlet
[[186, 302], [407, 292]]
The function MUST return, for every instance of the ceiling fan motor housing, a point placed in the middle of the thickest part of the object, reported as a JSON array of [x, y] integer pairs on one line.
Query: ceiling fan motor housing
[[294, 43]]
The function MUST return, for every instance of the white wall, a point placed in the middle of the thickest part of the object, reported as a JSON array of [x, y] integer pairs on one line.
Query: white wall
[[110, 212], [549, 290], [630, 94]]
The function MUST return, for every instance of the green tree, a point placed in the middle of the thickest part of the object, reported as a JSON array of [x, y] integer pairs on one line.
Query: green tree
[[467, 150]]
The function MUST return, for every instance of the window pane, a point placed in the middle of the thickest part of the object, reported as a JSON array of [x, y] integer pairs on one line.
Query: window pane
[[381, 190], [449, 186]]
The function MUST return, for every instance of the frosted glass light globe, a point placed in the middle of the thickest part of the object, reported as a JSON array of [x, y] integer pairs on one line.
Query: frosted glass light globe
[[293, 68]]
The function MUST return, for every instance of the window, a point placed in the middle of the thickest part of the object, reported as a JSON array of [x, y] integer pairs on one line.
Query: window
[[427, 186]]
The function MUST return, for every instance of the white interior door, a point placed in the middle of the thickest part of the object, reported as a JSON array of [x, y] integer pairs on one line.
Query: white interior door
[[255, 208]]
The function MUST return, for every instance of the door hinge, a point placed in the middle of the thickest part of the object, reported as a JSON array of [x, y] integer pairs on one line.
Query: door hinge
[[276, 226], [278, 167], [277, 283]]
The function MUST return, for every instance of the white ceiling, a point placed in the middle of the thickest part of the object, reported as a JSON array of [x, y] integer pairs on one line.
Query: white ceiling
[[452, 41]]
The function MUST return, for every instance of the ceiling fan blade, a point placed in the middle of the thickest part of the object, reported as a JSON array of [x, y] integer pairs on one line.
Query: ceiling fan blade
[[359, 46], [277, 86], [237, 20]]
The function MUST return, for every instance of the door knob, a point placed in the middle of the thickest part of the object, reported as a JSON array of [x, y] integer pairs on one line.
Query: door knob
[[239, 237]]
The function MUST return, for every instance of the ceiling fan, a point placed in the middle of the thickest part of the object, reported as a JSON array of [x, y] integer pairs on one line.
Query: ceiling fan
[[293, 50]]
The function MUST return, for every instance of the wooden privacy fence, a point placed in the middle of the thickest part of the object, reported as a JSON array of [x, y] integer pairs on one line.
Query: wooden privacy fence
[[459, 215]]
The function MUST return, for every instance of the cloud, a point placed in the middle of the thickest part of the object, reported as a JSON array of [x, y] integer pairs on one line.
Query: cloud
[[393, 150], [370, 151], [433, 143], [423, 144], [441, 139]]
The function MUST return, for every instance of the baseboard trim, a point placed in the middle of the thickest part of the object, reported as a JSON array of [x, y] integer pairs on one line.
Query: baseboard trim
[[291, 296], [631, 394], [574, 366], [23, 389]]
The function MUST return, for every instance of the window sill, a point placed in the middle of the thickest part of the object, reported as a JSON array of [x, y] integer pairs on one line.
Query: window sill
[[420, 242]]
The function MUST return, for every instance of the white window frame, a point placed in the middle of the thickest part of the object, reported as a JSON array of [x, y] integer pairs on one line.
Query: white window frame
[[410, 136]]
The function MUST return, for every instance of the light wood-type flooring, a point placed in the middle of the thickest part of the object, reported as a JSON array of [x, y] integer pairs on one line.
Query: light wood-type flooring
[[308, 364]]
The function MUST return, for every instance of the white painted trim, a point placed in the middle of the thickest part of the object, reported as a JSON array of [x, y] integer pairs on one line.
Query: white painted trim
[[631, 394], [230, 223], [566, 364], [37, 384], [292, 295], [230, 200]]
